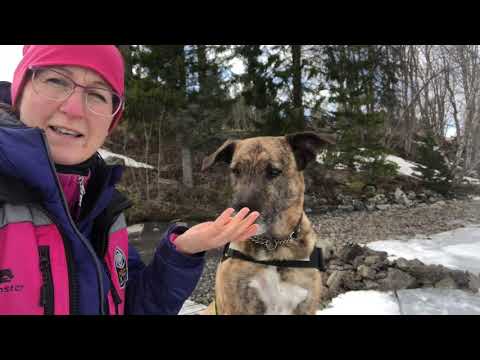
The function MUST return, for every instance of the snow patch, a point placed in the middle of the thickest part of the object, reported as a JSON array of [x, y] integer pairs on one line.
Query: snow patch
[[363, 302], [129, 162]]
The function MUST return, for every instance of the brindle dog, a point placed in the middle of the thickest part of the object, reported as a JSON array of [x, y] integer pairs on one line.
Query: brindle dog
[[267, 176]]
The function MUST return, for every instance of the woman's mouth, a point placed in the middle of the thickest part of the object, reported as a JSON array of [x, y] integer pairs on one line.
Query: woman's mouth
[[66, 132]]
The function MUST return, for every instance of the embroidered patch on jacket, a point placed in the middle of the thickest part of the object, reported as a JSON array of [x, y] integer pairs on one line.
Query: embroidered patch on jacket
[[121, 267]]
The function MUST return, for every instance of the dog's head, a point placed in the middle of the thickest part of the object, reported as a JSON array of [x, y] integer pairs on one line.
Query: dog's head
[[267, 174]]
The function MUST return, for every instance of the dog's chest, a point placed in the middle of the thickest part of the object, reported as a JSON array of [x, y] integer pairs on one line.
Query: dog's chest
[[280, 297]]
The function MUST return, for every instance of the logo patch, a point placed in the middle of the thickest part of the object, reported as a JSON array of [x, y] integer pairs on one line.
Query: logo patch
[[6, 275], [121, 267]]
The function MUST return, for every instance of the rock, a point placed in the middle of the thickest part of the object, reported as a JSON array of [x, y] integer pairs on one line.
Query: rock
[[438, 204], [411, 195], [432, 200], [376, 262], [358, 205], [426, 274], [373, 259], [401, 263], [352, 282], [308, 200], [322, 201], [446, 283], [346, 208], [349, 252], [474, 283], [401, 198], [383, 207], [344, 199], [461, 278], [378, 199], [366, 272], [381, 275], [370, 285], [397, 279], [422, 196], [359, 260], [370, 207], [335, 280]]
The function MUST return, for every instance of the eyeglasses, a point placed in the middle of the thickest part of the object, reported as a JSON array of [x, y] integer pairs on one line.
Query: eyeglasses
[[54, 85]]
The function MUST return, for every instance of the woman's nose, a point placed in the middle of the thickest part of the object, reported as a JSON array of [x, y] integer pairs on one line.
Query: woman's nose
[[74, 105]]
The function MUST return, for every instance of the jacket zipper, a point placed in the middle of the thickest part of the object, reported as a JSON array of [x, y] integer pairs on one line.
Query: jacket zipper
[[72, 275], [115, 296], [81, 186], [46, 290], [79, 234]]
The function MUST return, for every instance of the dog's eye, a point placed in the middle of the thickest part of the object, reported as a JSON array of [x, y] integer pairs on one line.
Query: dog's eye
[[235, 171], [273, 173]]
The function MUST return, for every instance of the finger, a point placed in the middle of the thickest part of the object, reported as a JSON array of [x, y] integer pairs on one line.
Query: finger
[[236, 230], [248, 233], [225, 217], [240, 215]]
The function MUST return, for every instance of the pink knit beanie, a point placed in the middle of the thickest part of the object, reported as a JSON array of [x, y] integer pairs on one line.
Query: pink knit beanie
[[106, 60]]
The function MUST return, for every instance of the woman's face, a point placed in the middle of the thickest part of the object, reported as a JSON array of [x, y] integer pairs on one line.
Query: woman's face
[[74, 133]]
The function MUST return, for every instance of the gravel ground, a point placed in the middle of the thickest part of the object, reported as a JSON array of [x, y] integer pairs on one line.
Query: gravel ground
[[364, 227]]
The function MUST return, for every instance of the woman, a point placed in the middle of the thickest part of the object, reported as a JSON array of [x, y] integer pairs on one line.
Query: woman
[[63, 239]]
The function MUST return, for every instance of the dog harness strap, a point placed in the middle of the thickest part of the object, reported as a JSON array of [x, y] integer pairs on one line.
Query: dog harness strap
[[316, 260]]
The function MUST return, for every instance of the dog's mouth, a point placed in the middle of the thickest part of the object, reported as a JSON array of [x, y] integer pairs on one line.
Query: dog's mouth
[[261, 221], [262, 229]]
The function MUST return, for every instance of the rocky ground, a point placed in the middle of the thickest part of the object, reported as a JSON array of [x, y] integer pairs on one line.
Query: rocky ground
[[346, 227]]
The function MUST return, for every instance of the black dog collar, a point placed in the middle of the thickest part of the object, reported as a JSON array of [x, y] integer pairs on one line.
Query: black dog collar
[[315, 261]]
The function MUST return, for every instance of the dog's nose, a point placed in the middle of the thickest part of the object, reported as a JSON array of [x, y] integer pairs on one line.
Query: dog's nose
[[252, 206]]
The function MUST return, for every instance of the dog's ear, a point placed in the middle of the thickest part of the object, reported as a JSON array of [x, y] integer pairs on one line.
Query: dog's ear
[[305, 146], [224, 153]]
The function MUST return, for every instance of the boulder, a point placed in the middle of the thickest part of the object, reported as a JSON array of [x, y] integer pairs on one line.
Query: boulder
[[349, 252], [366, 272], [401, 198], [446, 283], [397, 279]]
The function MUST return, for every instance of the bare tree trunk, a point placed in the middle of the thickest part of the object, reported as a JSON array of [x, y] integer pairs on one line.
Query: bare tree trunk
[[202, 69], [297, 85], [182, 139]]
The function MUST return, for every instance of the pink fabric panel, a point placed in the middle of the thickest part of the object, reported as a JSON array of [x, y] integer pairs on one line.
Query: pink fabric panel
[[21, 280], [118, 243]]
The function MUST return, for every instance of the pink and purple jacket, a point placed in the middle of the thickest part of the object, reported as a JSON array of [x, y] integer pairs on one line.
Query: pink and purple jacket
[[58, 256]]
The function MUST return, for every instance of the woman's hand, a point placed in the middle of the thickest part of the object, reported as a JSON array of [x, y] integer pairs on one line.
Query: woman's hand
[[214, 234]]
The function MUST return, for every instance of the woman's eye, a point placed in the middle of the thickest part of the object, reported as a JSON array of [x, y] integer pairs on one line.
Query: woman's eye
[[97, 96], [57, 81]]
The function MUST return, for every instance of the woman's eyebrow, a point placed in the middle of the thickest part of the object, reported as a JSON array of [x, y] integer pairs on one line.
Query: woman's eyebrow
[[96, 82], [102, 83]]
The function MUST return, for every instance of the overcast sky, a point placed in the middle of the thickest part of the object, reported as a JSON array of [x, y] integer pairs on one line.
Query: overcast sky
[[10, 56]]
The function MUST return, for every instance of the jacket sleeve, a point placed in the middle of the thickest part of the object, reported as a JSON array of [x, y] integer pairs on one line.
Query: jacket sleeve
[[162, 287]]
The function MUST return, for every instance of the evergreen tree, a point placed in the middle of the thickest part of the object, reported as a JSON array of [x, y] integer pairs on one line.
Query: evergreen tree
[[361, 80], [435, 171]]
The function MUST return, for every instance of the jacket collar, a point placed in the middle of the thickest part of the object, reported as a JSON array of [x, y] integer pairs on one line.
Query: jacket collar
[[25, 159]]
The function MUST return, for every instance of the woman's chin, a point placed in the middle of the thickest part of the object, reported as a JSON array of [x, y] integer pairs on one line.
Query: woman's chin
[[63, 159]]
